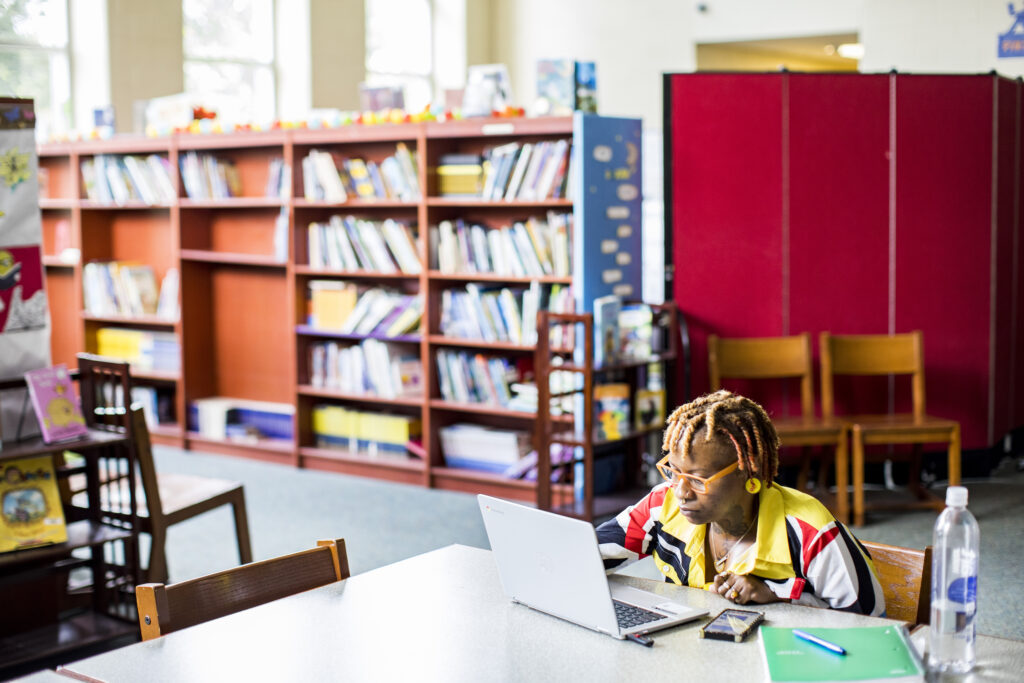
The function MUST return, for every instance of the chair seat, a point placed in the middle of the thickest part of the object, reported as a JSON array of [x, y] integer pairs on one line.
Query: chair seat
[[901, 428], [808, 431], [181, 495]]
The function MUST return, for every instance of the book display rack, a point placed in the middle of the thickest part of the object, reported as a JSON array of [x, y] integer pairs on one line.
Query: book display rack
[[262, 285]]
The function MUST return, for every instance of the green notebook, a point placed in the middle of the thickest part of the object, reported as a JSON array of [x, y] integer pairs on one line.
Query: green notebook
[[873, 653]]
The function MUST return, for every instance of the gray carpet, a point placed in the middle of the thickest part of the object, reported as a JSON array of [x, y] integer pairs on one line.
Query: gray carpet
[[289, 509]]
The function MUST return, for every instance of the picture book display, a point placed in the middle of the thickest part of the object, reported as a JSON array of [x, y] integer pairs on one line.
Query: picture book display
[[650, 408], [873, 653], [30, 509], [611, 405], [53, 398]]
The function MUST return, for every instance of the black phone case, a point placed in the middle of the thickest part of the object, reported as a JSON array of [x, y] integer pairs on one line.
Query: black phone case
[[732, 624]]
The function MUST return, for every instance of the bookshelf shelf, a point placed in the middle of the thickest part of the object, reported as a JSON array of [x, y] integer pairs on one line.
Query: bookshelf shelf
[[72, 633], [258, 260], [58, 204], [491, 277], [354, 274], [308, 331], [241, 327], [233, 203], [442, 340], [481, 409], [143, 320], [156, 375], [327, 392], [81, 534]]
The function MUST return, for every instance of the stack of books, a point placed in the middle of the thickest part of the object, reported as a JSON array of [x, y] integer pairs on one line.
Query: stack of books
[[146, 350], [207, 177], [128, 178], [279, 179], [531, 248], [528, 171], [460, 175], [469, 378], [220, 418], [361, 431], [342, 307], [349, 243], [127, 289], [330, 178], [371, 367], [483, 448]]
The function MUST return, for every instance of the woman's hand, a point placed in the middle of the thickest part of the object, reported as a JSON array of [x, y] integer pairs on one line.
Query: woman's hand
[[743, 588]]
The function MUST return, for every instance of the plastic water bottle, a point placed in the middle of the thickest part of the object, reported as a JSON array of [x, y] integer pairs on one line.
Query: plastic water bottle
[[954, 586]]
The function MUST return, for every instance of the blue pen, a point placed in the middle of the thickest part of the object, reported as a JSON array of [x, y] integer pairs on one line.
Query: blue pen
[[821, 642]]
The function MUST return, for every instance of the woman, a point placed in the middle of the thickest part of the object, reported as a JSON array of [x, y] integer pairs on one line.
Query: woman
[[719, 523]]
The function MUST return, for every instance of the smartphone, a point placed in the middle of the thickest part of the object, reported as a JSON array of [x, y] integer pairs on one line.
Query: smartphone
[[732, 624]]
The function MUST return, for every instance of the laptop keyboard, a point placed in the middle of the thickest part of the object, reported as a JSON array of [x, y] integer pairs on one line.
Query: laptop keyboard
[[630, 616]]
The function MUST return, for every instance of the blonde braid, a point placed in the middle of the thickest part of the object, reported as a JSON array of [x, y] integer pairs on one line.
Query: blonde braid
[[743, 421]]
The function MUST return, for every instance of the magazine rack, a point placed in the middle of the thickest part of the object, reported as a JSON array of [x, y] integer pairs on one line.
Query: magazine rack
[[60, 598]]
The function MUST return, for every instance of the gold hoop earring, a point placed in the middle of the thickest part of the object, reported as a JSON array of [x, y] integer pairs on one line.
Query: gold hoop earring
[[752, 486]]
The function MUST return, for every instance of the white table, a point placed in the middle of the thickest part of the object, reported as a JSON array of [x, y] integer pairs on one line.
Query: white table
[[442, 616]]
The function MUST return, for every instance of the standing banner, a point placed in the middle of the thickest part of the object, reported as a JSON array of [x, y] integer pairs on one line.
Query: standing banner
[[24, 314]]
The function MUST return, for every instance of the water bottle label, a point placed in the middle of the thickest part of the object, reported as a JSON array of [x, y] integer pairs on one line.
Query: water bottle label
[[963, 590]]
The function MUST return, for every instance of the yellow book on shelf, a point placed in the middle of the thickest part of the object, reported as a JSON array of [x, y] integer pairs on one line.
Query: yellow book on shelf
[[31, 513], [332, 303]]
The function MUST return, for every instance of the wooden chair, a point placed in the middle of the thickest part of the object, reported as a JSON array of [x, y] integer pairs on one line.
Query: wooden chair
[[899, 354], [169, 498], [906, 578], [782, 358], [163, 609], [161, 500]]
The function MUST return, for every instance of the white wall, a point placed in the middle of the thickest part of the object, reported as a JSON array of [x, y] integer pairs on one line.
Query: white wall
[[632, 43], [937, 36], [732, 20]]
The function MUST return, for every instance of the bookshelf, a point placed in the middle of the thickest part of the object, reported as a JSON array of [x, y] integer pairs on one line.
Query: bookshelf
[[245, 272]]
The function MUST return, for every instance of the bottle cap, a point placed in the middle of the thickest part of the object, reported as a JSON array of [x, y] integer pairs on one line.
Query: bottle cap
[[956, 496]]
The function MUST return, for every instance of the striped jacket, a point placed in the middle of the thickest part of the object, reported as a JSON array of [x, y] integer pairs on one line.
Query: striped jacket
[[801, 551]]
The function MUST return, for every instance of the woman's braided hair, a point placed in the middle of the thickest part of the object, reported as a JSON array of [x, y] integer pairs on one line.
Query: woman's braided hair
[[743, 421]]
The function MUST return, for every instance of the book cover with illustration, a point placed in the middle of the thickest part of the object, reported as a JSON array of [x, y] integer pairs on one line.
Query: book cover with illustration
[[53, 398], [611, 408], [607, 339], [650, 408], [30, 510]]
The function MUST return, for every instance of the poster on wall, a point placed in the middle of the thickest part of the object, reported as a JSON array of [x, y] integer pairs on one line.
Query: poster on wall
[[24, 314]]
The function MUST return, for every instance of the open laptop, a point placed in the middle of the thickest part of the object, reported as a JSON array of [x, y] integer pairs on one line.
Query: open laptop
[[552, 564]]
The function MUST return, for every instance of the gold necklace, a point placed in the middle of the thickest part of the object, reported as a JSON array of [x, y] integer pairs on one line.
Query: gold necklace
[[720, 562]]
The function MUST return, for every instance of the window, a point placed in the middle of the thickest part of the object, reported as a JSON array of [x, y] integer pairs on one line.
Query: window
[[399, 49], [34, 60], [230, 57]]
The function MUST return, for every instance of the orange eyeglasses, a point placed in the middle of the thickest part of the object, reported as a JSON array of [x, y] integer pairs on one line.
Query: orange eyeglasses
[[698, 484]]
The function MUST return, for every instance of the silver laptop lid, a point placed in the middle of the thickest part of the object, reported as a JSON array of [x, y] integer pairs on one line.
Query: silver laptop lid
[[550, 563]]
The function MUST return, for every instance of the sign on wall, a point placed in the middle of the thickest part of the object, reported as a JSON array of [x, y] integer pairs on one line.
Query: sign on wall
[[24, 315], [1011, 43]]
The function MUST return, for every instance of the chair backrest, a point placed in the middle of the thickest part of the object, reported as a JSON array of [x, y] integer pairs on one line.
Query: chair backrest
[[764, 358], [872, 354], [106, 387], [147, 468], [906, 578], [163, 609]]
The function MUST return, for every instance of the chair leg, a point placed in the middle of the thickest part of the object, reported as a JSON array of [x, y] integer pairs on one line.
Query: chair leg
[[858, 476], [954, 456], [842, 480], [242, 528], [914, 483], [157, 570]]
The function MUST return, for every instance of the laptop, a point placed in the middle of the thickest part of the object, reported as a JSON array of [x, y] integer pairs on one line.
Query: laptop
[[552, 564]]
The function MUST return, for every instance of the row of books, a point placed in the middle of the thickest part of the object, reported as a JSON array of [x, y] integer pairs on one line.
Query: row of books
[[220, 417], [207, 177], [146, 350], [128, 289], [372, 367], [528, 171], [362, 431], [333, 178], [508, 314], [346, 308], [488, 449], [624, 331], [121, 179], [530, 248], [157, 403], [350, 243], [279, 179], [476, 378]]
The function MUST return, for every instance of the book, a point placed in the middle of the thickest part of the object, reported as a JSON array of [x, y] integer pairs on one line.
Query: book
[[53, 398], [650, 408], [636, 331], [31, 513], [611, 410], [556, 87], [606, 329], [873, 653]]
